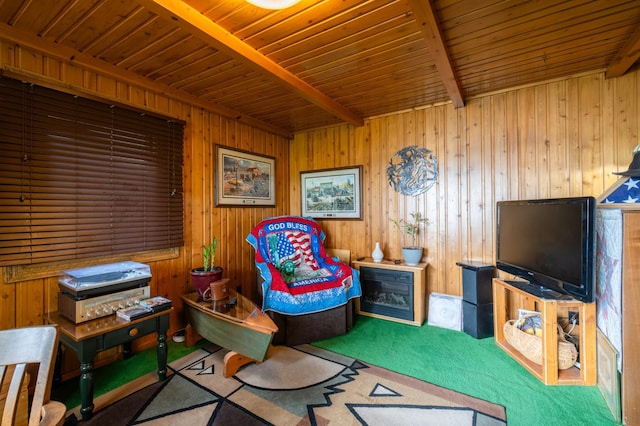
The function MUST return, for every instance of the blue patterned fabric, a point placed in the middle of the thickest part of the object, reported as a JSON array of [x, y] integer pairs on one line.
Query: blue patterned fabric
[[299, 277]]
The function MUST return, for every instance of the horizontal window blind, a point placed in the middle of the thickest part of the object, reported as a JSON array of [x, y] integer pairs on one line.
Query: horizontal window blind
[[81, 178]]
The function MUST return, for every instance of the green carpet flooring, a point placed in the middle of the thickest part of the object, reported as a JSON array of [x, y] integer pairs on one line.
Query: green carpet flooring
[[443, 357], [118, 373], [478, 368]]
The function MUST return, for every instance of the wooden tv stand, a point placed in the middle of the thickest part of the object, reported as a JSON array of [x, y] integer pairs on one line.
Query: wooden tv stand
[[549, 309]]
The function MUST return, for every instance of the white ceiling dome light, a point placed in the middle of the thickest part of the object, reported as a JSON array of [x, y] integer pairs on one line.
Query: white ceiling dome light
[[273, 4]]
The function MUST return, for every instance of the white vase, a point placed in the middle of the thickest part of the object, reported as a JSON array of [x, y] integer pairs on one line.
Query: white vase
[[377, 254]]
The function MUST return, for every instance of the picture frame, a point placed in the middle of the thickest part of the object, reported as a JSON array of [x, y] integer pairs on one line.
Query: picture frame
[[608, 376], [332, 193], [244, 179]]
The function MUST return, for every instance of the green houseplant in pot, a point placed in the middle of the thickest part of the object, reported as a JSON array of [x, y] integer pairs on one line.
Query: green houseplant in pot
[[411, 228], [202, 277]]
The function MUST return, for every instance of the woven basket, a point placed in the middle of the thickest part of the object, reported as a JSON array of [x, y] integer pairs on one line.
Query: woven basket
[[531, 346]]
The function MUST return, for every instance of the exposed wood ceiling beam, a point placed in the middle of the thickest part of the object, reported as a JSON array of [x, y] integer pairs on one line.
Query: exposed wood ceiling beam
[[196, 23], [428, 22], [63, 53], [626, 57]]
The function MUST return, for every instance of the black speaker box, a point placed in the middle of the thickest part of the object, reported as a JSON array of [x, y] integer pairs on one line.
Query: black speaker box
[[477, 320], [477, 282]]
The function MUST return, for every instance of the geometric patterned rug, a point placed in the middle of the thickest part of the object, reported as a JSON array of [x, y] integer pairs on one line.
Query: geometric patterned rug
[[303, 385]]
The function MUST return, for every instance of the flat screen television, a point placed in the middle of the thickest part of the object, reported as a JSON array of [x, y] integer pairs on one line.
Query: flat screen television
[[550, 243]]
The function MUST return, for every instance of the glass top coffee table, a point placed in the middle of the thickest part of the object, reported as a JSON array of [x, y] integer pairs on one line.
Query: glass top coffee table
[[235, 323]]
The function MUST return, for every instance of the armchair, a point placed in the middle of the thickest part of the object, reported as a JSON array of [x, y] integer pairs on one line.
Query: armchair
[[306, 292]]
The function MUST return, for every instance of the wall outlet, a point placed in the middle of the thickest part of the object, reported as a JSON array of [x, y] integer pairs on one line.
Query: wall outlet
[[573, 316]]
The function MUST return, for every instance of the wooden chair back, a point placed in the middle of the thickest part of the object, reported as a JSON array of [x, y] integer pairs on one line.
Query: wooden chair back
[[344, 255], [20, 348]]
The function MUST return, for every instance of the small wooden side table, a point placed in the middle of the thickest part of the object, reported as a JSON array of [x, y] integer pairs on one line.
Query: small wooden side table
[[89, 338]]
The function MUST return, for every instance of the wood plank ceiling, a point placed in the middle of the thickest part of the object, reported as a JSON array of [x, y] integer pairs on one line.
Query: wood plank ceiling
[[323, 62]]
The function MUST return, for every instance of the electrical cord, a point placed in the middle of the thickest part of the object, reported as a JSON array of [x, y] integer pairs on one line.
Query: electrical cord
[[569, 337]]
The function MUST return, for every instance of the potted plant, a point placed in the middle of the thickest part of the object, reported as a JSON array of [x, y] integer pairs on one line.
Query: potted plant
[[412, 254], [202, 277]]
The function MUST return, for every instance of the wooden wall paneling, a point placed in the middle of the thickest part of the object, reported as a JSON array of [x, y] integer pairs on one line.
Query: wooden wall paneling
[[331, 159], [297, 161], [357, 236], [451, 186], [215, 131], [574, 136], [540, 140], [534, 142], [22, 303], [171, 282], [51, 290], [196, 192], [528, 164], [30, 61], [343, 157], [625, 121], [412, 135], [472, 215], [609, 141], [392, 132], [30, 303], [556, 139], [397, 133], [488, 170], [385, 204], [7, 304], [499, 172], [436, 199], [374, 197], [284, 202], [590, 142], [320, 153], [395, 130], [188, 198], [591, 126], [432, 138], [513, 150], [423, 204]]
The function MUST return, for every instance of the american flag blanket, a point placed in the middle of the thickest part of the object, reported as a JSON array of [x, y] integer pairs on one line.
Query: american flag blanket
[[299, 277]]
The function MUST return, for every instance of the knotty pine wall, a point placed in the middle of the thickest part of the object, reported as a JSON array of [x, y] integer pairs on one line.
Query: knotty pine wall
[[559, 139], [556, 139], [26, 302]]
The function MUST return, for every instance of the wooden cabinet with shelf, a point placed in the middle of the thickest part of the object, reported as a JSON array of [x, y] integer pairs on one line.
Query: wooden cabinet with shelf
[[550, 309], [618, 284], [417, 275]]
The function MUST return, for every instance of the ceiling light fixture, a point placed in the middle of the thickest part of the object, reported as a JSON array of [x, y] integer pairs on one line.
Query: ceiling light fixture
[[273, 4]]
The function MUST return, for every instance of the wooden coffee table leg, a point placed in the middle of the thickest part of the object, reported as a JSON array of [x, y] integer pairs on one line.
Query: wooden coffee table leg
[[233, 361], [191, 336]]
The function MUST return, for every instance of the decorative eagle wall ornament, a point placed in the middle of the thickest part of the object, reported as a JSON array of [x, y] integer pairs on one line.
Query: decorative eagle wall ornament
[[412, 170]]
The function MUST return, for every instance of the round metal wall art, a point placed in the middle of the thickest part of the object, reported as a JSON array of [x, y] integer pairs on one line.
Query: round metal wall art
[[412, 170]]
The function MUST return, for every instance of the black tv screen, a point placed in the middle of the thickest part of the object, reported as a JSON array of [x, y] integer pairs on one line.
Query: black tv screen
[[550, 243]]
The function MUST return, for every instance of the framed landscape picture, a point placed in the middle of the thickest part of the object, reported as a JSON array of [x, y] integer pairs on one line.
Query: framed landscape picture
[[332, 193], [244, 179], [608, 376]]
